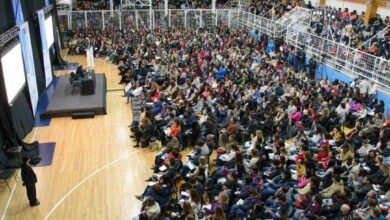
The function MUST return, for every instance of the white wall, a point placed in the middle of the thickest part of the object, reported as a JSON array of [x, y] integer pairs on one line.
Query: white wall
[[383, 12], [315, 3], [347, 4], [355, 6]]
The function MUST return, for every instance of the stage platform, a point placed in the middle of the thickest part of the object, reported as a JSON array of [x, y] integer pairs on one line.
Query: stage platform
[[63, 103]]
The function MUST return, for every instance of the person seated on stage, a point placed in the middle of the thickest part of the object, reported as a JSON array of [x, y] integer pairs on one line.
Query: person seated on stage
[[134, 92], [80, 72], [73, 77]]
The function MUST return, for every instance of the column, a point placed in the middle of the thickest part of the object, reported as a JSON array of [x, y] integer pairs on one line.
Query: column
[[371, 7], [165, 8], [112, 8], [150, 14]]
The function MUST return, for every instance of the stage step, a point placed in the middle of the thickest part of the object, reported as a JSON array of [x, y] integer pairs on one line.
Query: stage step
[[81, 115]]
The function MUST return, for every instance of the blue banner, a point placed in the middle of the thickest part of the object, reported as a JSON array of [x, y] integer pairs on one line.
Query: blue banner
[[25, 42], [45, 48], [17, 12]]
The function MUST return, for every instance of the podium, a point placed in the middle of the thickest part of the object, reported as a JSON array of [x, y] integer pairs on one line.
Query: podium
[[88, 84]]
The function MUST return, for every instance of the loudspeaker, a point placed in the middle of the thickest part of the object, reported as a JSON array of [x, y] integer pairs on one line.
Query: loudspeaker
[[81, 115]]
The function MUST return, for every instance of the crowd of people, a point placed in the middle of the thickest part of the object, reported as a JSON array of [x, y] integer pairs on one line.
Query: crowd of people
[[91, 5], [185, 4], [336, 24], [348, 28], [266, 140], [339, 25], [275, 9], [156, 4]]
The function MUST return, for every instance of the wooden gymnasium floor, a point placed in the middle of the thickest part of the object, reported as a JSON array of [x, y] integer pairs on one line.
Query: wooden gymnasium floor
[[95, 171]]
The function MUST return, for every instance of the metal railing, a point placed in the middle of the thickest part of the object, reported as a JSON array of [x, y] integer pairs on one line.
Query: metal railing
[[296, 15], [264, 25], [276, 28], [342, 57], [346, 59], [189, 18], [379, 35], [239, 5]]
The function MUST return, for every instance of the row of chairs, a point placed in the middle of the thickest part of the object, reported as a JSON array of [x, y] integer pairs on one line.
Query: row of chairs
[[137, 105]]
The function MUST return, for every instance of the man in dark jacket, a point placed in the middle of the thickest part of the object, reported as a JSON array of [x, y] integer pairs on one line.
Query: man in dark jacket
[[29, 179]]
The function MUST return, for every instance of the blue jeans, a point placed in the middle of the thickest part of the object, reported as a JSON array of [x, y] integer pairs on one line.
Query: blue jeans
[[129, 94], [267, 191]]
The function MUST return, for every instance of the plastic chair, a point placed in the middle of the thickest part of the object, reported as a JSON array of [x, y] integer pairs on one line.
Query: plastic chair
[[6, 174]]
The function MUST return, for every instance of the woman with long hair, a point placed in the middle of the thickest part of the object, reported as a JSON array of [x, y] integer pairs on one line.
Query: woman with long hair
[[219, 214], [196, 203]]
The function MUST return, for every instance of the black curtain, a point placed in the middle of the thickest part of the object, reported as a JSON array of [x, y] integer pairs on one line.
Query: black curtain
[[7, 131], [17, 119], [22, 115], [6, 16], [57, 50]]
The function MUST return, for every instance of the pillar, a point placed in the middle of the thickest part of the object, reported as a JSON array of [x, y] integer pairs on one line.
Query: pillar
[[371, 8]]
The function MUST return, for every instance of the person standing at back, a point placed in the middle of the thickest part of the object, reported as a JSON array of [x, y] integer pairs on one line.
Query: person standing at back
[[29, 180]]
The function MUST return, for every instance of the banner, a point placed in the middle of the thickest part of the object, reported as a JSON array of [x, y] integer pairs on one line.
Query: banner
[[90, 61], [25, 42], [45, 49]]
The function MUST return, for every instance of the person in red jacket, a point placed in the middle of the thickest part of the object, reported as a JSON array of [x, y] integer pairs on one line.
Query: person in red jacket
[[175, 128], [323, 156]]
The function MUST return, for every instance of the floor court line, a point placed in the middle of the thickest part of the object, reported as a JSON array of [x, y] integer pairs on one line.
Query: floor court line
[[10, 198], [85, 179], [35, 133]]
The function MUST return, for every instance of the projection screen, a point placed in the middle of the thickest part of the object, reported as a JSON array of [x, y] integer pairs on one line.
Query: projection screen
[[13, 71], [49, 31]]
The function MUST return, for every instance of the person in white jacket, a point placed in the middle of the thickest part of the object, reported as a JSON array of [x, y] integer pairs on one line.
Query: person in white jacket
[[134, 92], [150, 210]]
